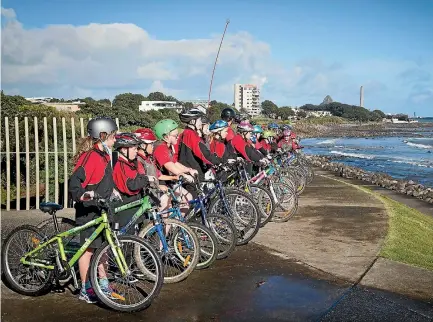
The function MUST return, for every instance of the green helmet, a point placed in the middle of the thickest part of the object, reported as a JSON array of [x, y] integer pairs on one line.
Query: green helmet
[[267, 134], [164, 127]]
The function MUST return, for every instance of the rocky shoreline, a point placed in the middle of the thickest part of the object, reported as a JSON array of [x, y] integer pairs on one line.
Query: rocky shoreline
[[409, 188], [363, 130]]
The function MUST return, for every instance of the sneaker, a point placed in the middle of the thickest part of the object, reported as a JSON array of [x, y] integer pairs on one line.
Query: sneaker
[[111, 293], [88, 295]]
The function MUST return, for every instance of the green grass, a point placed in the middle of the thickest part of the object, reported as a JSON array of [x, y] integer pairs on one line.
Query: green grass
[[410, 235]]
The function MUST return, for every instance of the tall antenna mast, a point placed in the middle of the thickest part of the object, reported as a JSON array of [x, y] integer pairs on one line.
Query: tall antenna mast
[[216, 60]]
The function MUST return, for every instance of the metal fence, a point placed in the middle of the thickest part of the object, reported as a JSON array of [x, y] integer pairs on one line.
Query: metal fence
[[55, 149]]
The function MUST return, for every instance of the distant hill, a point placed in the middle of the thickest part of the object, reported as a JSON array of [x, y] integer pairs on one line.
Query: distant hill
[[327, 100]]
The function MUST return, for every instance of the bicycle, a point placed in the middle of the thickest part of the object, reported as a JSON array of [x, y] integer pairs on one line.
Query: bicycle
[[46, 260]]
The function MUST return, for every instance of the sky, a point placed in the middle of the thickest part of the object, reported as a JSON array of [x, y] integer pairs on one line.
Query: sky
[[296, 51]]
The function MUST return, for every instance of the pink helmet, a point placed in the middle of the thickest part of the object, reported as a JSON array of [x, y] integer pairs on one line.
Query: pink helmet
[[245, 126], [287, 132]]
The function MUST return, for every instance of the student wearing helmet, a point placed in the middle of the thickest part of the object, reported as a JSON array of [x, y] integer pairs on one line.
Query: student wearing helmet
[[242, 143], [165, 153], [193, 152], [92, 174], [147, 156], [268, 141], [287, 144], [257, 135], [229, 115], [218, 134]]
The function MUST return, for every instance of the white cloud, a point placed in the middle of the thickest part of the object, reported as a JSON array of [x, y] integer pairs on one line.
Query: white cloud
[[8, 13]]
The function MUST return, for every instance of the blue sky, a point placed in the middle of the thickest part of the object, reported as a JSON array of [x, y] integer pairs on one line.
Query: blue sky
[[298, 51]]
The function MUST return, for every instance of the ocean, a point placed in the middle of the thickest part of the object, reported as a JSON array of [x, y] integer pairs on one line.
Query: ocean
[[409, 158]]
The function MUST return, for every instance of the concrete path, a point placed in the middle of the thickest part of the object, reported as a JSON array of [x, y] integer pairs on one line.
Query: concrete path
[[338, 229]]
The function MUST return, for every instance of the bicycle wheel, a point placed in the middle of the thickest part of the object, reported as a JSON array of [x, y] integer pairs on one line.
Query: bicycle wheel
[[263, 198], [225, 232], [26, 279], [132, 291], [183, 249], [287, 202], [208, 245], [243, 211]]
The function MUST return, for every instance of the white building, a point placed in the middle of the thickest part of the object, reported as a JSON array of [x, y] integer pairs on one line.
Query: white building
[[202, 105], [247, 96], [318, 113], [146, 106]]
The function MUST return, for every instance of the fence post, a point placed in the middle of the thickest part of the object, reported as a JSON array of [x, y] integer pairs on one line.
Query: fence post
[[73, 135], [56, 162], [37, 160], [17, 161], [65, 165], [117, 123], [8, 166], [26, 136], [47, 169], [82, 126]]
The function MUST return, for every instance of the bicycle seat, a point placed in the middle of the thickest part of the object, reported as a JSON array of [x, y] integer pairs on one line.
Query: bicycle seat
[[50, 207]]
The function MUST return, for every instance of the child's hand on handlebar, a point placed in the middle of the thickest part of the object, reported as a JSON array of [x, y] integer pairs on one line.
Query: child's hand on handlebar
[[88, 195]]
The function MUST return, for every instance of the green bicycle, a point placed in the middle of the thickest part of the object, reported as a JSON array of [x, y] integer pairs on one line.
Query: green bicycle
[[39, 261]]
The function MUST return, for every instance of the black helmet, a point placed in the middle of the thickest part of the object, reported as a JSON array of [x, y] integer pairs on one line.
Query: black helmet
[[241, 117], [189, 115], [228, 114], [126, 140], [100, 125]]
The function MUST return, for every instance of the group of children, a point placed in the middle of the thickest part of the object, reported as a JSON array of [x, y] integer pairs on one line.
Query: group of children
[[159, 157]]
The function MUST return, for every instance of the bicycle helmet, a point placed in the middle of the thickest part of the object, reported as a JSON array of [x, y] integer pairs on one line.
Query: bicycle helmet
[[268, 134], [189, 115], [273, 126], [100, 125], [245, 126], [126, 140], [253, 139], [258, 129], [287, 133], [286, 127], [241, 117], [164, 127], [218, 126], [145, 135], [228, 114]]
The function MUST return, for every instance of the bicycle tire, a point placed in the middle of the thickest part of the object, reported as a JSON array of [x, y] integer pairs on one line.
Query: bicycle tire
[[266, 217], [10, 280], [210, 238], [192, 263], [226, 242], [287, 213], [94, 266], [254, 223]]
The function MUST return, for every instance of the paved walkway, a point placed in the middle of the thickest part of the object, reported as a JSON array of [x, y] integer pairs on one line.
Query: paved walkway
[[340, 229]]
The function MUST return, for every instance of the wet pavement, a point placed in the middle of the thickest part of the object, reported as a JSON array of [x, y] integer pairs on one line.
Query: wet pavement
[[251, 285]]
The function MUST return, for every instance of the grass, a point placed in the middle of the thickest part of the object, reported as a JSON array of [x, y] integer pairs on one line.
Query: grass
[[410, 235], [323, 120]]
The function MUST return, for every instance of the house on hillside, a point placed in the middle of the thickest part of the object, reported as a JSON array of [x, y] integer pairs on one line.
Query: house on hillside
[[146, 106]]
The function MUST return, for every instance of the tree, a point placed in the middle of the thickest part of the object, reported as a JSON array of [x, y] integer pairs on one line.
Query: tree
[[379, 112], [301, 114], [269, 108], [214, 110], [188, 105], [285, 112], [156, 96], [125, 107]]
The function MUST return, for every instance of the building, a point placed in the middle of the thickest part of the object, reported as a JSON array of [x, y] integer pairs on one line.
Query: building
[[146, 106], [60, 106], [202, 105], [318, 113], [247, 97]]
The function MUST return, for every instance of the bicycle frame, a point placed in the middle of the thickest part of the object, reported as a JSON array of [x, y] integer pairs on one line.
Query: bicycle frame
[[103, 225]]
